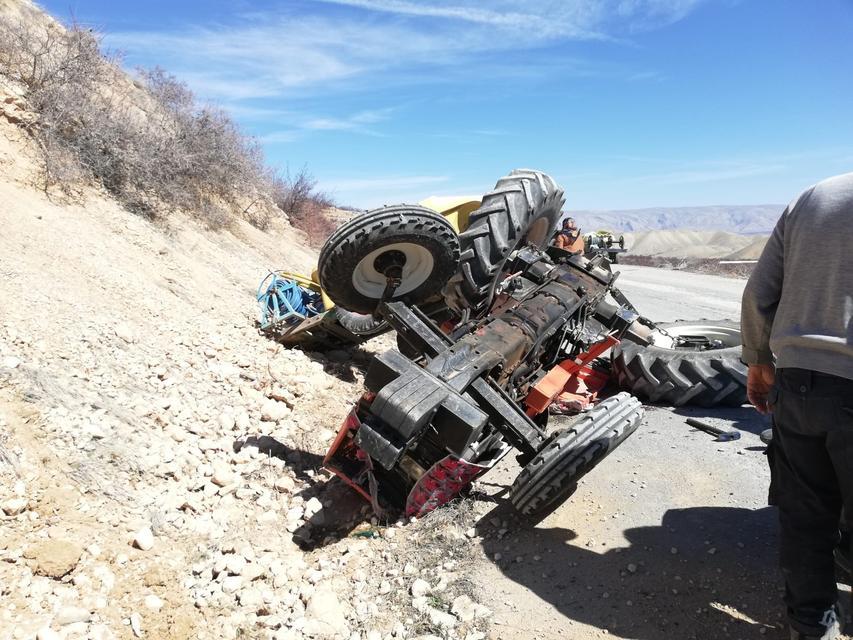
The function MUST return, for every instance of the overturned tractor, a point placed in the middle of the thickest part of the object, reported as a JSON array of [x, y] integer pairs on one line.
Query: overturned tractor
[[492, 325]]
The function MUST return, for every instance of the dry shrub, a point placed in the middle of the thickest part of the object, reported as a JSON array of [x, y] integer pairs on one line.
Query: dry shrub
[[151, 145], [299, 198]]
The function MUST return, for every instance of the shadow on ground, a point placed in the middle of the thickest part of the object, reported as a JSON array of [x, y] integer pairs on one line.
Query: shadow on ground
[[343, 510], [720, 582]]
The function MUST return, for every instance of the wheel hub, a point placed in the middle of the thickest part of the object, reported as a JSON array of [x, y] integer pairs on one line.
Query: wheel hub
[[407, 262]]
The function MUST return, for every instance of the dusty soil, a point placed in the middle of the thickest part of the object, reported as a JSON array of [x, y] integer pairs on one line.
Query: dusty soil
[[160, 460]]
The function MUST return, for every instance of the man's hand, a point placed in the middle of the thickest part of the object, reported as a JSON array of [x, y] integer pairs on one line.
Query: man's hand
[[758, 382]]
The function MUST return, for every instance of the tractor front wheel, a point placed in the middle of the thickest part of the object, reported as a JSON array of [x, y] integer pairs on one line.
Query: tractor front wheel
[[552, 476]]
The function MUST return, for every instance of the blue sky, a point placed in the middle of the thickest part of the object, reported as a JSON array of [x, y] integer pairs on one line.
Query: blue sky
[[627, 103]]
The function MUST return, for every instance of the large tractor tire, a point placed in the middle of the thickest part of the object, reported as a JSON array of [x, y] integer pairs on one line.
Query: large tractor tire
[[523, 208], [353, 260], [551, 477], [662, 372]]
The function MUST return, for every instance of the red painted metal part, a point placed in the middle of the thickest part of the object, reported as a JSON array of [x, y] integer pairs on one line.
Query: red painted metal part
[[438, 486], [345, 453], [548, 388]]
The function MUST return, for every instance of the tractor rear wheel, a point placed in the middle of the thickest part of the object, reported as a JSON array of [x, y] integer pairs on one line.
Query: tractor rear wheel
[[524, 207], [678, 375], [551, 477], [354, 262]]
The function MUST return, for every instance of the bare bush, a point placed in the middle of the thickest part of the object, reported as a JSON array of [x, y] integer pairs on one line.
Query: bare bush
[[299, 198], [152, 146]]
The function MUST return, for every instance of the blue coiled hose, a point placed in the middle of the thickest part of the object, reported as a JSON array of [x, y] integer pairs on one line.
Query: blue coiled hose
[[283, 300]]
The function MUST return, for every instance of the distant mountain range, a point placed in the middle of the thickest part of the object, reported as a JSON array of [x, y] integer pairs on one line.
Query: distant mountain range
[[743, 219]]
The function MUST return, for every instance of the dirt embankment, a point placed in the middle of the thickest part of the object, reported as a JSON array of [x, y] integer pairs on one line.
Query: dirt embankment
[[719, 245], [160, 460]]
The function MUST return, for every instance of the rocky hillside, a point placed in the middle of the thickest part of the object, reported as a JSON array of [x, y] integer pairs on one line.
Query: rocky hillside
[[160, 460], [721, 245], [746, 219]]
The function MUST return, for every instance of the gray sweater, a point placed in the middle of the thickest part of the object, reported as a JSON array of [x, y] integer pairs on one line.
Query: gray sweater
[[798, 303]]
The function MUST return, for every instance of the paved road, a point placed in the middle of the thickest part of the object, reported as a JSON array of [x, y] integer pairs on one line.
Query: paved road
[[670, 537], [665, 295]]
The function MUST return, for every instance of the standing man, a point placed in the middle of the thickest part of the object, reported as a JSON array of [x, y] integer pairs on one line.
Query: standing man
[[797, 325]]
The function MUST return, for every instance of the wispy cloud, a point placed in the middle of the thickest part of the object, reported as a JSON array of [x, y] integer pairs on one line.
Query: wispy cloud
[[538, 19], [280, 52], [299, 124], [571, 18], [357, 122]]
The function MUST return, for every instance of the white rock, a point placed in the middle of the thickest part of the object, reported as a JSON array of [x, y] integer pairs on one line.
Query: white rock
[[467, 610], [100, 632], [420, 588], [440, 618], [250, 597], [144, 539], [234, 564], [420, 604], [136, 624], [223, 475], [70, 615], [232, 584], [124, 332], [242, 421], [15, 506], [153, 602], [227, 421], [273, 411], [325, 615], [284, 484], [11, 362], [46, 633]]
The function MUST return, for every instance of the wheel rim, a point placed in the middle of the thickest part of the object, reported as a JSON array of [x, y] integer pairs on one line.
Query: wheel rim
[[370, 282], [724, 337]]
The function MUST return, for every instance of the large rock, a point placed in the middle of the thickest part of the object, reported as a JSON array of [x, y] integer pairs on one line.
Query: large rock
[[53, 558], [273, 411], [420, 588], [71, 615], [15, 506], [325, 615], [144, 539], [467, 610]]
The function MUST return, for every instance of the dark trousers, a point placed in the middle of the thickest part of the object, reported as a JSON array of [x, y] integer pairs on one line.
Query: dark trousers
[[813, 480]]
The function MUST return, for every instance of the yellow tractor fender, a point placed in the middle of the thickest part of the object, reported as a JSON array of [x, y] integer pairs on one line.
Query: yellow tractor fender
[[455, 208]]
